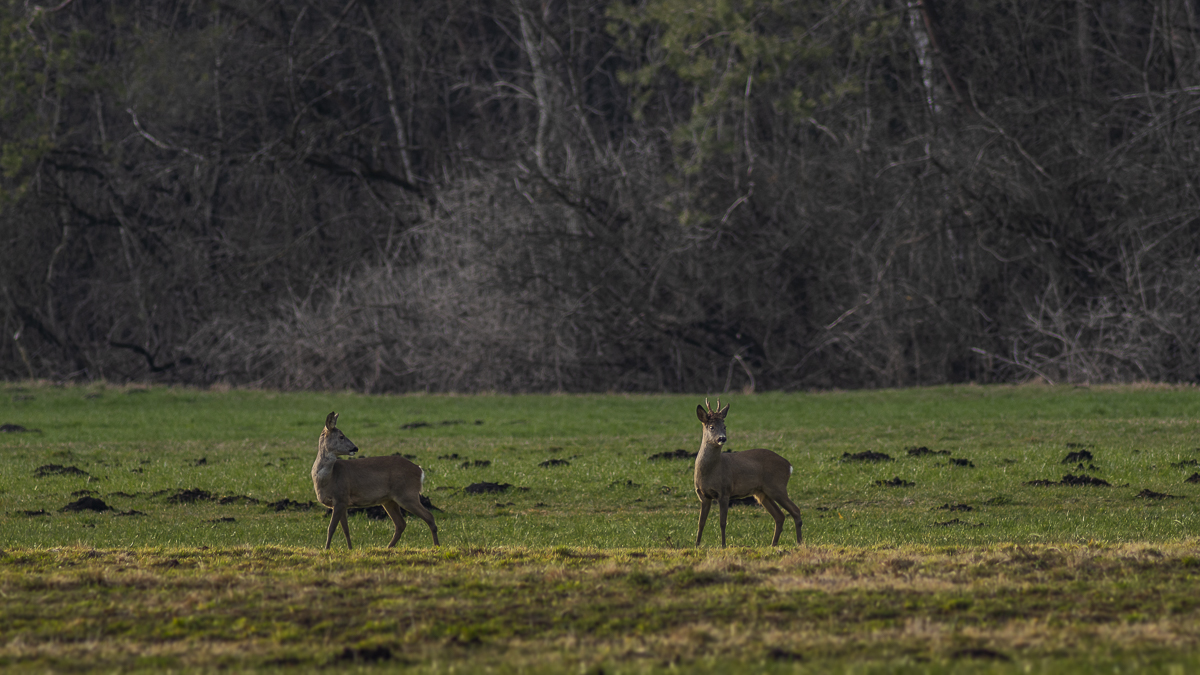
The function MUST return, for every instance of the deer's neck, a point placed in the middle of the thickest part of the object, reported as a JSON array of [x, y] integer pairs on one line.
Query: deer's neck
[[708, 459], [323, 468]]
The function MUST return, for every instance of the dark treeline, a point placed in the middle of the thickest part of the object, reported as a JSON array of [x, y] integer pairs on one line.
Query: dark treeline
[[524, 195]]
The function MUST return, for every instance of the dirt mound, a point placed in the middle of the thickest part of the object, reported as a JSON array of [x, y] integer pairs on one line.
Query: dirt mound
[[87, 504], [678, 453], [866, 456], [58, 470], [895, 482], [1151, 494], [1072, 480], [1194, 478], [17, 429], [922, 451], [414, 425], [954, 507], [39, 512], [1077, 457], [980, 653], [485, 487], [554, 462], [290, 505], [190, 496], [478, 464], [234, 499], [962, 462], [365, 654], [956, 521]]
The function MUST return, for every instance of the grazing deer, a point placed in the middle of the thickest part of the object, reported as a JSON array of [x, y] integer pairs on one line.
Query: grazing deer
[[724, 476], [393, 482]]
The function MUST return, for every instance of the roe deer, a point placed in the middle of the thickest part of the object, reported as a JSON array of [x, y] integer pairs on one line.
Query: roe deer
[[724, 476], [393, 482]]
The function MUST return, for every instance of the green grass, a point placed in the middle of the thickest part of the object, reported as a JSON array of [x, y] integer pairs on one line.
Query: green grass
[[588, 566]]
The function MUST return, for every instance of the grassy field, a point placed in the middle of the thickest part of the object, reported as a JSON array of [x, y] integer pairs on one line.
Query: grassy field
[[208, 554]]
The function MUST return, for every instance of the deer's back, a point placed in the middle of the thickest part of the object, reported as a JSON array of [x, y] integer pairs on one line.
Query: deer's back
[[751, 469], [369, 481]]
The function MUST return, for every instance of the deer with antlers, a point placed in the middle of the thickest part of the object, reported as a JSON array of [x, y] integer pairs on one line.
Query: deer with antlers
[[732, 475]]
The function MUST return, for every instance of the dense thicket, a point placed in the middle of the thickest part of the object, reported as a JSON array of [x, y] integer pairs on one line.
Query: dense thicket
[[586, 195]]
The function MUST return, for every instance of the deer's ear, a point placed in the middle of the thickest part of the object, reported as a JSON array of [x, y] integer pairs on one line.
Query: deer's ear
[[331, 421], [701, 414], [723, 411]]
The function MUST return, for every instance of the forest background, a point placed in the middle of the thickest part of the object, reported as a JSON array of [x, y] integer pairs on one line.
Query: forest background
[[580, 195]]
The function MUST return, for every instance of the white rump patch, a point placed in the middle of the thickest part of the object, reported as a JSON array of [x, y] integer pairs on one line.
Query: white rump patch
[[422, 477], [790, 469]]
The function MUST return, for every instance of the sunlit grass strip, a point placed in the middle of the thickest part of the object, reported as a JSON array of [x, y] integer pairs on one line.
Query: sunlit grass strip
[[569, 606]]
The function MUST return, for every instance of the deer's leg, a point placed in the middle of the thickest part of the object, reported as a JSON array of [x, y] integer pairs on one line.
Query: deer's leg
[[414, 506], [338, 512], [346, 525], [723, 502], [393, 510], [776, 514], [705, 503], [786, 502]]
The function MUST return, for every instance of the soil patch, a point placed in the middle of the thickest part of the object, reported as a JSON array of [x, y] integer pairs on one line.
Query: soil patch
[[1194, 478], [478, 464], [200, 462], [895, 482], [627, 483], [1151, 494], [87, 504], [554, 462], [1186, 464], [956, 521], [677, 453], [58, 470], [365, 654], [777, 654], [1072, 480], [414, 425], [922, 451], [226, 519], [866, 456], [39, 512], [131, 512], [1078, 456], [962, 462], [17, 429], [980, 653], [453, 455], [485, 488], [190, 496], [449, 423], [290, 505], [234, 499], [954, 507]]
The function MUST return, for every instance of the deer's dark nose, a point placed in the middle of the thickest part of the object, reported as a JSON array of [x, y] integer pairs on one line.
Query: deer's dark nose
[[721, 439]]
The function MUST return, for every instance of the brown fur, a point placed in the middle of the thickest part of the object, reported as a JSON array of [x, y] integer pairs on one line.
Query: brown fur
[[732, 475], [392, 482]]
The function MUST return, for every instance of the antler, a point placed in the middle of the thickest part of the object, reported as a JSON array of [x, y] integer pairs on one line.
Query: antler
[[710, 410]]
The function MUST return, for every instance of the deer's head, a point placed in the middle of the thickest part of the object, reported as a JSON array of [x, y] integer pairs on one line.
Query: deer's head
[[713, 421], [333, 440]]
